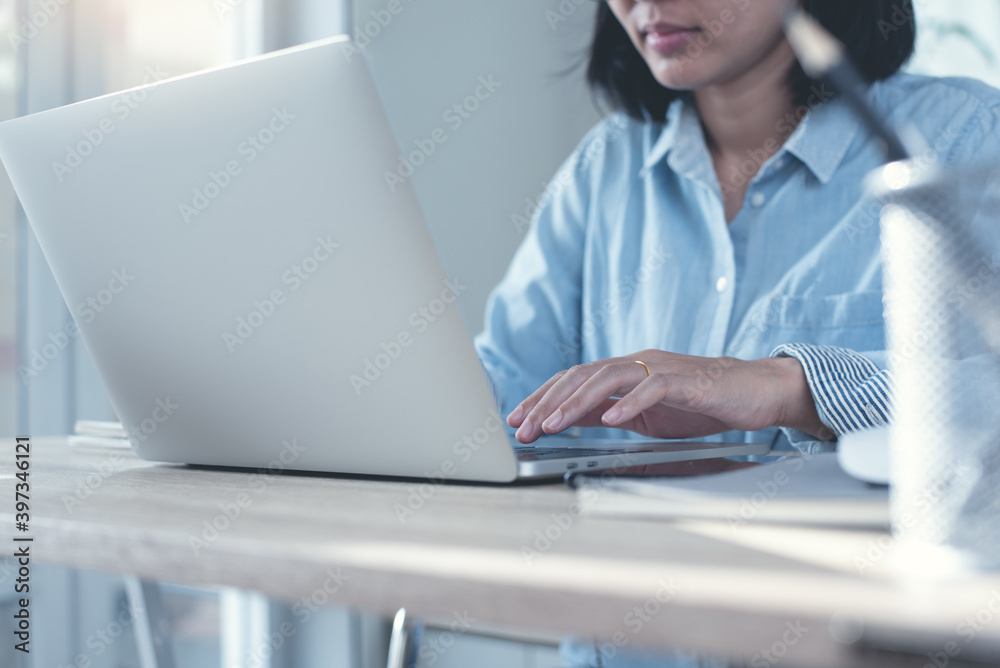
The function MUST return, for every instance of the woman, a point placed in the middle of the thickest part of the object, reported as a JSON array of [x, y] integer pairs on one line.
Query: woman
[[715, 228], [706, 263]]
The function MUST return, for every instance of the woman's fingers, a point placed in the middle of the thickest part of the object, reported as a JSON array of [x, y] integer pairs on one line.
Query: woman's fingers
[[672, 390], [575, 394], [592, 418], [571, 397], [520, 412], [546, 400], [614, 378], [682, 397], [546, 405]]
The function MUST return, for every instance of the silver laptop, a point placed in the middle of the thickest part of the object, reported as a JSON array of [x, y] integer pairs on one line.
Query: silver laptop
[[254, 292]]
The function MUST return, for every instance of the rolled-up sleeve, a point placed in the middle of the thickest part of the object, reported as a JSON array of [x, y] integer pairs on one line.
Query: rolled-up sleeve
[[853, 391]]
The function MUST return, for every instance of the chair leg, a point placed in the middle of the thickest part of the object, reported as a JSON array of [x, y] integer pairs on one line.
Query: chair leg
[[152, 626], [405, 640]]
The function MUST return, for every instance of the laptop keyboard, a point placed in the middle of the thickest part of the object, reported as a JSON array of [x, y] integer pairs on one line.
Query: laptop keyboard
[[533, 453], [569, 450]]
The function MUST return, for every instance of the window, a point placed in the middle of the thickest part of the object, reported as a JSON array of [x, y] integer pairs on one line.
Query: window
[[61, 51]]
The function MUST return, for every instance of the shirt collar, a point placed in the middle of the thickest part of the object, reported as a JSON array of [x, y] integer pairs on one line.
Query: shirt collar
[[820, 141], [823, 137], [680, 116]]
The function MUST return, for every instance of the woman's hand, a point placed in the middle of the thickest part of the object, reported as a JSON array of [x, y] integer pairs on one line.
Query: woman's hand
[[682, 397]]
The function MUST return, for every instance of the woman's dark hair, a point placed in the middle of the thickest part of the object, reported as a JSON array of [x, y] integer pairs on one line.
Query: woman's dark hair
[[879, 36]]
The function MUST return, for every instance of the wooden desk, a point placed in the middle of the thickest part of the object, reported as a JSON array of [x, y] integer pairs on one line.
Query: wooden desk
[[704, 586]]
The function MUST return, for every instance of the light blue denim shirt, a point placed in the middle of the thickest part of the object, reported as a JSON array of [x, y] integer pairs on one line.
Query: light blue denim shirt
[[629, 249]]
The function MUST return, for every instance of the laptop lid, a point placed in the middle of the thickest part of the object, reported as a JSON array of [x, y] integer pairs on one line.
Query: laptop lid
[[252, 281]]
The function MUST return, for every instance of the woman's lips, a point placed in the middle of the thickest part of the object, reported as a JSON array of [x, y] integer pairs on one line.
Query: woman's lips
[[669, 39]]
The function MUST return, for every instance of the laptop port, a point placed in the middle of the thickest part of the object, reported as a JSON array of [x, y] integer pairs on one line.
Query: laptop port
[[571, 465], [591, 464]]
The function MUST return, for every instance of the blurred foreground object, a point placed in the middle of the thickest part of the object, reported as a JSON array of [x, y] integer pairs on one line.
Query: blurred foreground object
[[941, 251]]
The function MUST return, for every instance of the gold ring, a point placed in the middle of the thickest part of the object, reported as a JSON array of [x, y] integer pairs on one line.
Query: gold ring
[[644, 366]]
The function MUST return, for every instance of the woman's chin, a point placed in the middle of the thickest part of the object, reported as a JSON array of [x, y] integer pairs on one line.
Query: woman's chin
[[676, 83], [677, 76]]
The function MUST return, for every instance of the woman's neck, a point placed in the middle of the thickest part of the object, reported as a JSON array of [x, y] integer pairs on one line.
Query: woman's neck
[[744, 123], [747, 114]]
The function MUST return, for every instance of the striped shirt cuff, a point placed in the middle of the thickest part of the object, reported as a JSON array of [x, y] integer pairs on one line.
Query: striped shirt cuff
[[851, 392]]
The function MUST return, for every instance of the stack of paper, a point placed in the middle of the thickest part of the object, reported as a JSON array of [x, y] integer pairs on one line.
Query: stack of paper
[[810, 490], [97, 433]]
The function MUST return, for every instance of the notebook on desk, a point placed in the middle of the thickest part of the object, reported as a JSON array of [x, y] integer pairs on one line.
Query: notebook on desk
[[812, 490], [256, 283]]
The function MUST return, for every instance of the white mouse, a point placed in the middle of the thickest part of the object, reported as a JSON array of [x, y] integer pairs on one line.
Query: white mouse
[[865, 455]]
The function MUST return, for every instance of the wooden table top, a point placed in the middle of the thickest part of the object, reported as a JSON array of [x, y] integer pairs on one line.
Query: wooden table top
[[519, 557]]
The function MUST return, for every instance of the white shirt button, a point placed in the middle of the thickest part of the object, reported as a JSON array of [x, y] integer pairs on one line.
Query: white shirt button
[[757, 200], [722, 284], [780, 163]]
